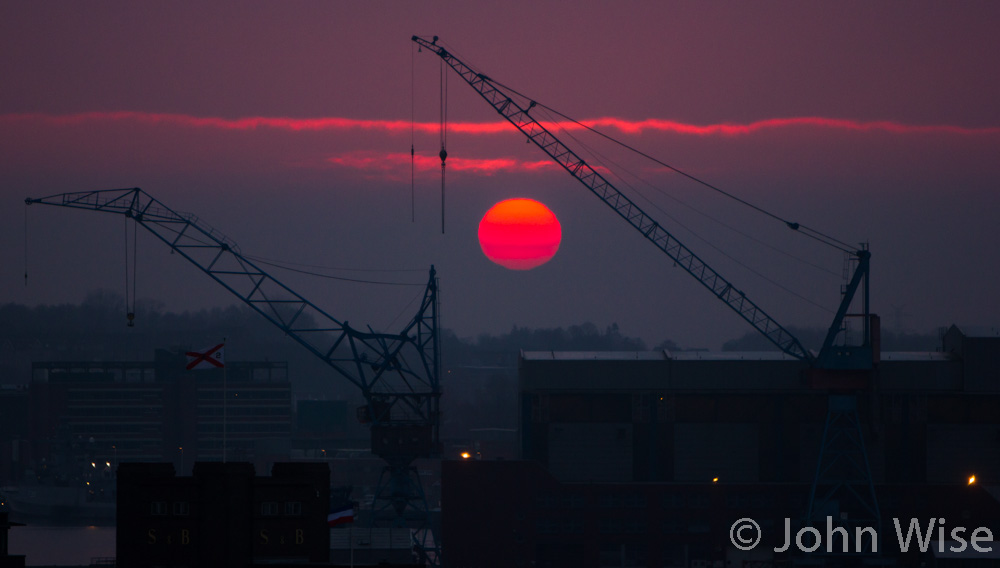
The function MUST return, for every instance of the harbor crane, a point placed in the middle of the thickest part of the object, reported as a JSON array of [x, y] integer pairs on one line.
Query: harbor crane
[[843, 478], [398, 374]]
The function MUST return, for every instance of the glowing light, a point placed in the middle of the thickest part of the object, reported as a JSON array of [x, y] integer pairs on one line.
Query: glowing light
[[466, 455], [519, 234], [715, 480], [972, 479]]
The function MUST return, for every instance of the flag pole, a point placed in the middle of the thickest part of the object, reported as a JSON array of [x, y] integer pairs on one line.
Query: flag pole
[[225, 401]]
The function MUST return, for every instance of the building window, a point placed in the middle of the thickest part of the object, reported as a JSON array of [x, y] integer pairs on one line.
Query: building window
[[182, 508], [269, 508], [293, 508], [158, 508]]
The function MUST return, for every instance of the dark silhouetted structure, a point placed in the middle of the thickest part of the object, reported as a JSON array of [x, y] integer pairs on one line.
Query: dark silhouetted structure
[[223, 515], [647, 459], [15, 450], [7, 560]]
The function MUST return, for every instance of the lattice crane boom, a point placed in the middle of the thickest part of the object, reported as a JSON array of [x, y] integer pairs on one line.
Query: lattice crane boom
[[502, 101], [397, 373], [838, 367], [520, 117]]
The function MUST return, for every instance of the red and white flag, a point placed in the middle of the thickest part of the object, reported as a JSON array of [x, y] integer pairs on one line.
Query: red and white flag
[[340, 515], [211, 358]]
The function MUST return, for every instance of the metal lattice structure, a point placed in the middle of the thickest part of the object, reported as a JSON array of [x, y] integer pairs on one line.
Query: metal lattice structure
[[830, 357], [842, 488], [398, 374], [622, 205]]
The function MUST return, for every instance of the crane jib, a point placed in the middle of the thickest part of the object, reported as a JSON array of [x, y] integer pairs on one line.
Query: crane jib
[[576, 166], [368, 359]]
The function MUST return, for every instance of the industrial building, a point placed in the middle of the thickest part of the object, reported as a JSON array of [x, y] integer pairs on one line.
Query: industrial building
[[647, 458], [77, 421], [122, 411]]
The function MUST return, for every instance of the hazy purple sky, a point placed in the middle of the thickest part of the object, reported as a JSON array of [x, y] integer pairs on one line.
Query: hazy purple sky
[[286, 125]]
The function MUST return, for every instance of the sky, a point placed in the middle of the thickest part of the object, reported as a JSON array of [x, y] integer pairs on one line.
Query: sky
[[288, 125]]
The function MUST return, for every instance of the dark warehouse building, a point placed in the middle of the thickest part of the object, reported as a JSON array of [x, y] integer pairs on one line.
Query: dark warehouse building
[[647, 459]]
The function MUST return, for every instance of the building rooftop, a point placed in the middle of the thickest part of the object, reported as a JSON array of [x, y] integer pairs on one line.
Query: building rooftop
[[594, 355], [730, 356], [979, 330], [917, 356], [655, 356], [710, 356]]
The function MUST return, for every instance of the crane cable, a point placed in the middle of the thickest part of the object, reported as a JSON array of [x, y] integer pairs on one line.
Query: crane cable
[[695, 234], [413, 82], [681, 202], [130, 295], [281, 265], [807, 231], [331, 277], [444, 133], [284, 263], [26, 245]]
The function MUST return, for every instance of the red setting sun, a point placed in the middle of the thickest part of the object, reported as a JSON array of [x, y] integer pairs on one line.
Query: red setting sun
[[519, 234]]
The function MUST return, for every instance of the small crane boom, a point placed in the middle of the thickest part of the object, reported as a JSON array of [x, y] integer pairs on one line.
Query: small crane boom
[[398, 373]]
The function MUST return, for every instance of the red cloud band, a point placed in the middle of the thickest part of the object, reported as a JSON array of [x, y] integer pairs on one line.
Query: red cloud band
[[395, 161], [401, 126]]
